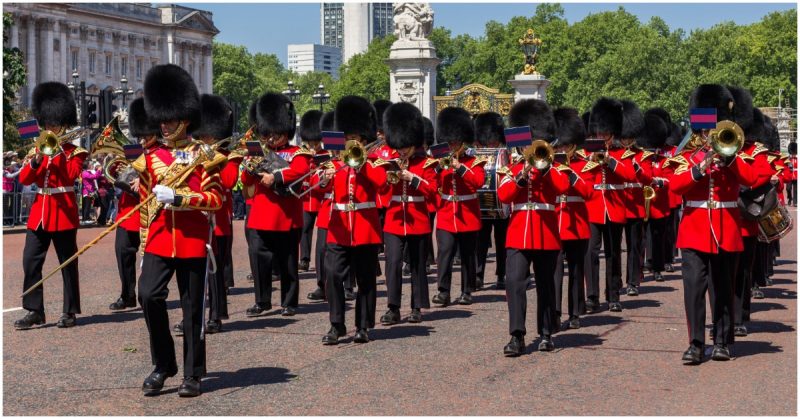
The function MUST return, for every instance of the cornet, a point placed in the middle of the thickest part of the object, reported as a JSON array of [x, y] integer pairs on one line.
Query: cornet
[[539, 154]]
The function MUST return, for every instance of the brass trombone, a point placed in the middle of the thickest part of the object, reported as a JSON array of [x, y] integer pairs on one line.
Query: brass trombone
[[354, 156], [49, 143]]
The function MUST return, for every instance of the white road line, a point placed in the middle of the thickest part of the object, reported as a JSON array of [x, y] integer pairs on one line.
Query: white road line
[[6, 310]]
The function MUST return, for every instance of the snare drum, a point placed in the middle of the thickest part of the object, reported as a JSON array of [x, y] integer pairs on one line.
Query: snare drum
[[491, 207], [775, 224]]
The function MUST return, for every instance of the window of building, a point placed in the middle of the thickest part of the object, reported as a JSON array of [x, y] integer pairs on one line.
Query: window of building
[[108, 64], [92, 61], [139, 68], [123, 66], [74, 58]]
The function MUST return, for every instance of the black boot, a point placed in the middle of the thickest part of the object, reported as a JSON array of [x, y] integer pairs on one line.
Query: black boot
[[31, 319]]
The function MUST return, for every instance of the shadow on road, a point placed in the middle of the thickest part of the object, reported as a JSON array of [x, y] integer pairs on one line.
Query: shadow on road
[[258, 323], [600, 320], [574, 340], [765, 306], [118, 317], [220, 380], [747, 348], [241, 290], [488, 298], [446, 314], [774, 292], [766, 326], [650, 289], [400, 332], [635, 303]]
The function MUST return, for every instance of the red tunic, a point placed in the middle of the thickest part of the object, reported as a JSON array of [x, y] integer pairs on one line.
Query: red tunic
[[534, 222], [407, 211], [354, 216], [312, 201], [55, 207], [323, 195], [608, 197], [675, 200], [763, 171], [573, 215], [659, 206], [384, 153], [459, 209], [228, 176], [182, 231], [708, 229], [793, 167], [634, 193], [270, 211]]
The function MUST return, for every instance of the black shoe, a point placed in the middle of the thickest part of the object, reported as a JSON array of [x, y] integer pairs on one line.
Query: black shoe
[[500, 285], [190, 387], [573, 323], [740, 331], [546, 345], [275, 278], [658, 277], [514, 347], [288, 311], [361, 336], [415, 316], [757, 294], [304, 265], [615, 307], [349, 295], [442, 299], [693, 355], [66, 320], [406, 269], [464, 299], [316, 295], [122, 304], [647, 266], [428, 269], [213, 326], [257, 310], [720, 353], [478, 284], [392, 316], [250, 277], [333, 335], [178, 329], [155, 381], [633, 290], [31, 319], [592, 306], [668, 267], [767, 281]]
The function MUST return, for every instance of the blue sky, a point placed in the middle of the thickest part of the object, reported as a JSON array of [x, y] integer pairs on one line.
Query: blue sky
[[270, 27]]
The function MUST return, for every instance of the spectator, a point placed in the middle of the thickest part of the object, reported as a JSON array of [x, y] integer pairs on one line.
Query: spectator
[[10, 196], [104, 195], [238, 201], [88, 191]]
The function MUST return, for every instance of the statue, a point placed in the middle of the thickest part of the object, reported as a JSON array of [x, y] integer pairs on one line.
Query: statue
[[412, 21]]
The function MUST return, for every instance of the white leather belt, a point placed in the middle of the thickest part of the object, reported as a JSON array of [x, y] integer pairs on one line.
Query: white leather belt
[[177, 209], [609, 187], [56, 190], [407, 198], [633, 185], [353, 206], [562, 198], [533, 206], [456, 198], [327, 196], [711, 204]]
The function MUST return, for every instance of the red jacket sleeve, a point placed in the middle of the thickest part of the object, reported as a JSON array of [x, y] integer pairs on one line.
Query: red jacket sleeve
[[474, 176], [28, 174], [624, 169], [299, 166], [209, 198], [428, 183], [645, 173], [230, 173]]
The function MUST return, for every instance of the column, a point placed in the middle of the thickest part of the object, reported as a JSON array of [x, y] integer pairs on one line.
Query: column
[[47, 62], [15, 31], [184, 56], [83, 55], [209, 72], [170, 49], [30, 55], [62, 30]]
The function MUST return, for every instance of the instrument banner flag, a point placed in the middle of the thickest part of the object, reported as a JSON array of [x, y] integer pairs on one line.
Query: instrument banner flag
[[333, 140], [439, 150], [133, 151], [518, 136], [28, 129], [254, 148], [703, 118]]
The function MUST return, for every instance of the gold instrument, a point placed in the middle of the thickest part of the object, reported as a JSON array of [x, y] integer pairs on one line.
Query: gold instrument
[[649, 195], [393, 177], [49, 143], [354, 154], [539, 154], [112, 141], [447, 161], [726, 139], [599, 157]]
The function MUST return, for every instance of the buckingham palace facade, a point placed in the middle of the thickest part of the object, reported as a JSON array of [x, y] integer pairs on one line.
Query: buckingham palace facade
[[105, 41]]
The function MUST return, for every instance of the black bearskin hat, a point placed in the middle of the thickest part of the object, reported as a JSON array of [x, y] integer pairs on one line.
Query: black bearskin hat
[[606, 117], [742, 107], [139, 125], [380, 106], [663, 114], [429, 137], [569, 127], [585, 118], [632, 120], [792, 148], [275, 115], [54, 104], [489, 128], [713, 96], [355, 115], [216, 118], [326, 123], [655, 131], [403, 126], [454, 125], [675, 135], [170, 94], [309, 126], [251, 114], [759, 130], [535, 114]]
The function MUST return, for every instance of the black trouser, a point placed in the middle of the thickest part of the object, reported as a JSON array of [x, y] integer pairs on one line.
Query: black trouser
[[744, 281], [105, 203], [417, 249], [447, 242], [216, 284], [575, 253], [309, 218], [126, 244], [500, 227], [792, 192], [671, 235], [228, 268], [248, 237], [657, 247], [431, 258], [9, 210], [610, 234], [340, 261], [153, 293], [715, 273], [238, 205], [86, 208], [33, 255], [319, 256], [634, 242], [279, 248], [544, 266]]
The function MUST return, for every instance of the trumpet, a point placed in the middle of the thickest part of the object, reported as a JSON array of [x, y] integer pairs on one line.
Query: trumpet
[[49, 143], [393, 177], [353, 156], [725, 140], [447, 161], [539, 154], [649, 195]]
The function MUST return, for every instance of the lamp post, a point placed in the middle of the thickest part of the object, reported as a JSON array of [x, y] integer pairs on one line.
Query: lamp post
[[123, 90], [291, 92], [320, 97], [530, 47]]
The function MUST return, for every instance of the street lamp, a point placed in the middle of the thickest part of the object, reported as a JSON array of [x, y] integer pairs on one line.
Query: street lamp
[[291, 92], [448, 92], [530, 47], [74, 84], [320, 96], [123, 90]]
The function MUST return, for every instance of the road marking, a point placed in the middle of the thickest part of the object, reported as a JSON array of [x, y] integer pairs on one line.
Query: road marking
[[6, 310]]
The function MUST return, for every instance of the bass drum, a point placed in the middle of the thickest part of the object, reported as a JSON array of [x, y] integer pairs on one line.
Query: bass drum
[[775, 224], [491, 207]]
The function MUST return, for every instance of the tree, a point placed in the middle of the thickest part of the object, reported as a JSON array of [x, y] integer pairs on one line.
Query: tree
[[366, 74], [234, 77], [14, 77]]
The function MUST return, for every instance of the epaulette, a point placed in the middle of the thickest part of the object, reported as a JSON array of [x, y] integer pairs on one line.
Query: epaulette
[[379, 162], [214, 164], [678, 160], [771, 159], [303, 151], [479, 160], [563, 168], [328, 165], [78, 151], [505, 171], [746, 157], [628, 153], [758, 150], [646, 154], [430, 162], [681, 168], [237, 154], [589, 166], [140, 164], [582, 153]]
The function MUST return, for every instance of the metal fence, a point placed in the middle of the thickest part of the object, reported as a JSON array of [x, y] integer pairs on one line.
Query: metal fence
[[17, 207]]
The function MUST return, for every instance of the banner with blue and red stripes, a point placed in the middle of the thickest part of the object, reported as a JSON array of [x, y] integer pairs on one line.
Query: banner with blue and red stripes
[[28, 129], [133, 151], [703, 118], [254, 148], [439, 150], [333, 140], [518, 136]]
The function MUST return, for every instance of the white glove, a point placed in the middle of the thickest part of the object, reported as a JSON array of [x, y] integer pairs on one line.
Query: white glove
[[164, 194]]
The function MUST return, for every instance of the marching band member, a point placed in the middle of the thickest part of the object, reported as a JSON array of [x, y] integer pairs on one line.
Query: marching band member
[[276, 215], [675, 201], [54, 213], [406, 222], [128, 240], [632, 125], [533, 228], [709, 235], [792, 189], [573, 216], [489, 134], [178, 231], [354, 230], [459, 217], [311, 136], [608, 172]]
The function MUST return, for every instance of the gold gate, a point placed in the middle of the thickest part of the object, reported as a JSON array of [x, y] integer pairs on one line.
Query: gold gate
[[477, 98]]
